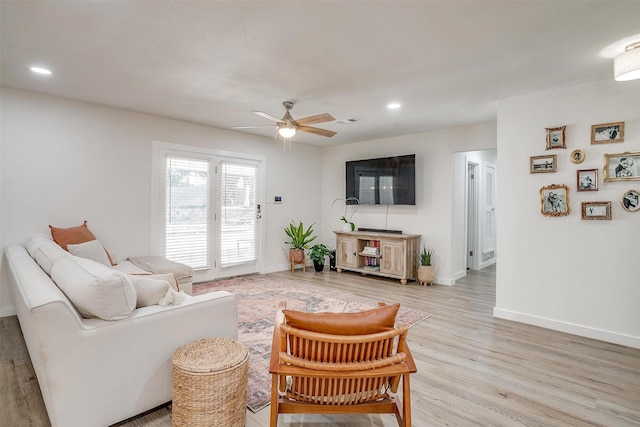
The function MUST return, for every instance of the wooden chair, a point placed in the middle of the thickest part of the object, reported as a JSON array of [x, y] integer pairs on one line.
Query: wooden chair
[[315, 372]]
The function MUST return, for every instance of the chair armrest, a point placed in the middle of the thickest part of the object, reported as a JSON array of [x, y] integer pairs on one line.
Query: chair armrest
[[275, 343]]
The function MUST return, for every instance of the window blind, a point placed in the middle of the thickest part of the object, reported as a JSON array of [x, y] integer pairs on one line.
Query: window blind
[[238, 212], [187, 208]]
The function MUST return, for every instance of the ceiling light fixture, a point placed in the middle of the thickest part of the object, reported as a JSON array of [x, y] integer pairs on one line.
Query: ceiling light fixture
[[287, 130], [394, 105], [626, 66], [40, 70]]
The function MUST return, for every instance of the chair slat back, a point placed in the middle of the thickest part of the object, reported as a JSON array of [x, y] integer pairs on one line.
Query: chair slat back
[[340, 353]]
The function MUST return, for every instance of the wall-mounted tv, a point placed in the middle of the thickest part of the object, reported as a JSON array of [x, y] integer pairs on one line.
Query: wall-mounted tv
[[383, 181]]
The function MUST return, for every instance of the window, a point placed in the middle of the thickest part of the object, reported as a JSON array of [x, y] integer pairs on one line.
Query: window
[[187, 211]]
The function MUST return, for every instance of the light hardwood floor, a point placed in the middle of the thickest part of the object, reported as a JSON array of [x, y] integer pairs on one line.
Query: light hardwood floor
[[472, 369]]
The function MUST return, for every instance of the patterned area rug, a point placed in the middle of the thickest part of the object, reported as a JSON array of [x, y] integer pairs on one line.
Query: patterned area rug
[[258, 298]]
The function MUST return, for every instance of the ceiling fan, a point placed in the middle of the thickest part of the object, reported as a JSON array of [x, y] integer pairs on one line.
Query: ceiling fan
[[287, 126]]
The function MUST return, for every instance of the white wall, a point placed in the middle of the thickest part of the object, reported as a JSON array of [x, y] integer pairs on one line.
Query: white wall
[[65, 161], [565, 273], [432, 215]]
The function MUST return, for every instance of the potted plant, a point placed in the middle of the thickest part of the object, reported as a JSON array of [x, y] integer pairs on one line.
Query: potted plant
[[347, 217], [426, 271], [299, 240], [318, 253]]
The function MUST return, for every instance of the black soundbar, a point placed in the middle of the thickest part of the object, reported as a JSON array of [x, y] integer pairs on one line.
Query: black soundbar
[[379, 230]]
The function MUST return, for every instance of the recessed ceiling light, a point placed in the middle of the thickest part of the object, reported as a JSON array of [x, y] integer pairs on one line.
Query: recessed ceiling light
[[40, 70], [394, 105]]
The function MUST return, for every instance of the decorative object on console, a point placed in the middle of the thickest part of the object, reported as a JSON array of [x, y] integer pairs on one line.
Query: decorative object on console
[[596, 210], [607, 132], [318, 253], [543, 164], [555, 137], [587, 179], [426, 271], [622, 167], [348, 224], [631, 201], [299, 240], [555, 200]]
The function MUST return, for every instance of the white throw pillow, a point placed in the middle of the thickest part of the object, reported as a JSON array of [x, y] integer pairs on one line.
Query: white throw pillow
[[95, 289], [45, 251], [149, 291], [92, 249]]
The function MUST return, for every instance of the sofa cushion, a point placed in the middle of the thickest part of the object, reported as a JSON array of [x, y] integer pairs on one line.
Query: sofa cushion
[[95, 289], [92, 249], [149, 291], [365, 322], [45, 251], [74, 235]]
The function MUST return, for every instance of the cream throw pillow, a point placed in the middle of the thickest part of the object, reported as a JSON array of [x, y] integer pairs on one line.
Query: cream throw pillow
[[95, 289], [45, 251], [149, 291], [92, 249]]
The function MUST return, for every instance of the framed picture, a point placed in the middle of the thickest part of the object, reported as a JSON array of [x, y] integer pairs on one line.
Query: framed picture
[[607, 132], [577, 156], [631, 201], [596, 210], [542, 164], [587, 180], [555, 200], [622, 167], [555, 138]]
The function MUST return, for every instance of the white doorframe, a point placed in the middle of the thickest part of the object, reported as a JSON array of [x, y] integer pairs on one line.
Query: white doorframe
[[472, 191]]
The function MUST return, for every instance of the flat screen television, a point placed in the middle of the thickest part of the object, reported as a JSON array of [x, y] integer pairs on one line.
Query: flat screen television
[[383, 181]]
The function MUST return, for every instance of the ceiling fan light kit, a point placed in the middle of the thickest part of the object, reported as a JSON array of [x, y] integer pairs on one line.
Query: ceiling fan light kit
[[626, 66], [287, 126]]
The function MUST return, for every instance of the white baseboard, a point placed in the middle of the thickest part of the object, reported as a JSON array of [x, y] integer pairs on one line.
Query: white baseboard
[[570, 328], [7, 311]]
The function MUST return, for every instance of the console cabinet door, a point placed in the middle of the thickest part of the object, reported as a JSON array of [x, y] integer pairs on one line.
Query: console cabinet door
[[393, 257], [346, 253]]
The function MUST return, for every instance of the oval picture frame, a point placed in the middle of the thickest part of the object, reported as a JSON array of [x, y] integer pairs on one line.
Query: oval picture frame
[[577, 156], [631, 201]]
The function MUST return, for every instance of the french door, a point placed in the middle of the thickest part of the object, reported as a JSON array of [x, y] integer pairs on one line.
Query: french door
[[208, 210]]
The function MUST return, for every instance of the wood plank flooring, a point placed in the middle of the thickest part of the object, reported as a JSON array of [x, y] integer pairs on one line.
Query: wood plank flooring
[[472, 369]]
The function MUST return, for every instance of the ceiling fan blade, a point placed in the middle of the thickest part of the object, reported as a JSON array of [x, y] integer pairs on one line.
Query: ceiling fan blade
[[314, 120], [267, 116], [317, 131], [251, 127]]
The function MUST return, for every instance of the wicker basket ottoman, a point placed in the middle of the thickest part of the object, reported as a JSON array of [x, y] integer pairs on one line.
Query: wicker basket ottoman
[[210, 379]]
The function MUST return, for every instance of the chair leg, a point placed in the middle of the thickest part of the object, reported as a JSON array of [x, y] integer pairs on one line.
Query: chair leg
[[274, 398], [406, 401]]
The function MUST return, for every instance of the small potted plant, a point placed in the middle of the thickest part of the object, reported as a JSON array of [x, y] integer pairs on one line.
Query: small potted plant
[[299, 240], [426, 271], [318, 253]]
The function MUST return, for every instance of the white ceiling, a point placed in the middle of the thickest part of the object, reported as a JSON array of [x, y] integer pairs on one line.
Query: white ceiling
[[209, 62]]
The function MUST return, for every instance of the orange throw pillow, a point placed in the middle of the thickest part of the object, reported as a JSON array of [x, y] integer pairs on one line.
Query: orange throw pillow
[[73, 236], [362, 323]]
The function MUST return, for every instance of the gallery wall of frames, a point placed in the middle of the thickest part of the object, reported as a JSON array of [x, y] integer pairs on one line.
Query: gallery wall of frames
[[617, 165]]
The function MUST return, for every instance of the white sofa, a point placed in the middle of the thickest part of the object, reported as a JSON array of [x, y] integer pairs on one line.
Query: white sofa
[[95, 372]]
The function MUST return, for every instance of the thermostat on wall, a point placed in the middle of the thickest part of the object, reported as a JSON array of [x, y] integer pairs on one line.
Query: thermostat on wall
[[277, 199]]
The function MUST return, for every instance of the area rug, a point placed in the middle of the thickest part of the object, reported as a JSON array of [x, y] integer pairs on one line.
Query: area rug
[[258, 297]]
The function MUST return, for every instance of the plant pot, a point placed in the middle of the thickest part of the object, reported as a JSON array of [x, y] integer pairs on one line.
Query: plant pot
[[426, 274], [296, 255], [318, 267]]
